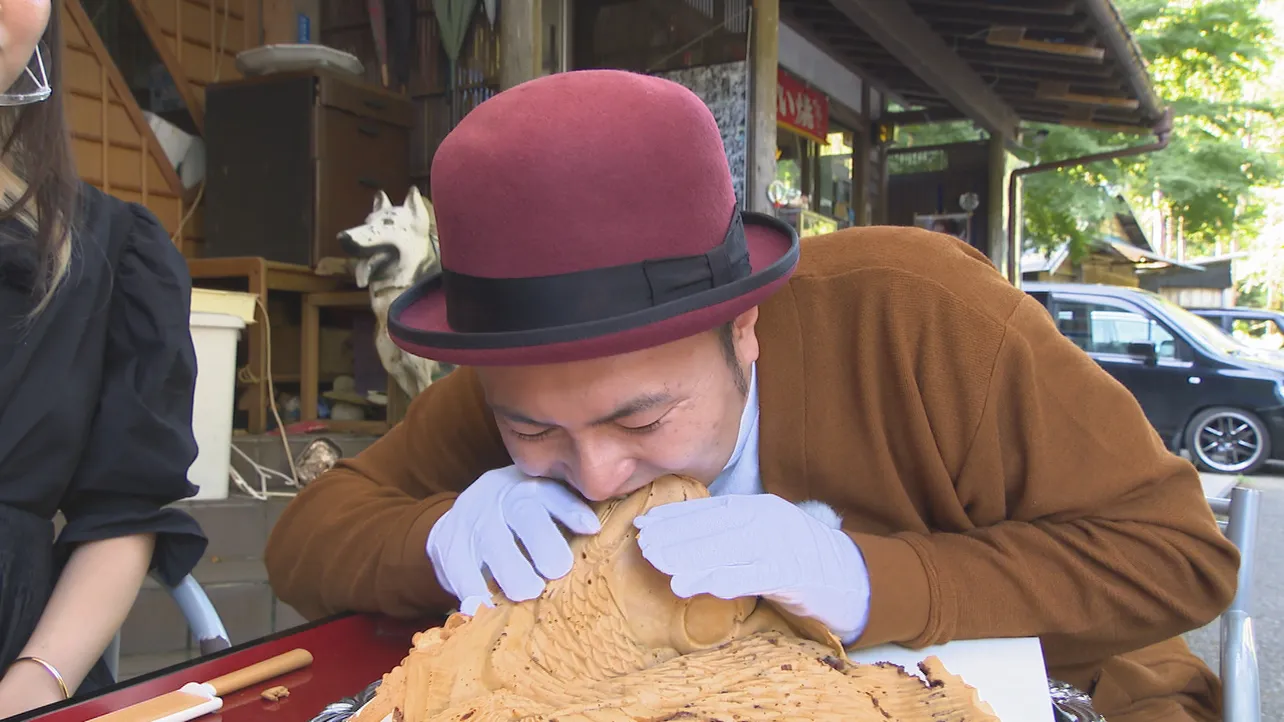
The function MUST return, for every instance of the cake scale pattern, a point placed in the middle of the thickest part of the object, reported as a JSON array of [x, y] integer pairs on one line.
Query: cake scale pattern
[[610, 642]]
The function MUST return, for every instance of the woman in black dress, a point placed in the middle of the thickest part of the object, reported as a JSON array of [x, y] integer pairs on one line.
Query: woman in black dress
[[97, 373]]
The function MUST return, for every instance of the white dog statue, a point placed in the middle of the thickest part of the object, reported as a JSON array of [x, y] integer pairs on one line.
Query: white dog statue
[[395, 247]]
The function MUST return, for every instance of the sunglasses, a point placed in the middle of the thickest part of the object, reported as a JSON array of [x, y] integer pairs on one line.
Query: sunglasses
[[33, 85]]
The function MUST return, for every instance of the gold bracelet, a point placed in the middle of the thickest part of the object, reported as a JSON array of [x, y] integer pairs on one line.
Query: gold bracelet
[[62, 684]]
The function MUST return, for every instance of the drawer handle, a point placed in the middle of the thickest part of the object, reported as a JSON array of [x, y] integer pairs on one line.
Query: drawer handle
[[370, 183], [375, 104], [370, 131]]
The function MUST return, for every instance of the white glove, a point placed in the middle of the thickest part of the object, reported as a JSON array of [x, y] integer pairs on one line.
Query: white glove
[[760, 545], [482, 529]]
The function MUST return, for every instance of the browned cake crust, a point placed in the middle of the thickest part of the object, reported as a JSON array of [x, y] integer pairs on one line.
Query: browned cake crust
[[610, 642]]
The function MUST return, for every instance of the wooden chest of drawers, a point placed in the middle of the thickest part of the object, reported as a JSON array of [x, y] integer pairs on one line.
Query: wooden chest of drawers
[[296, 158]]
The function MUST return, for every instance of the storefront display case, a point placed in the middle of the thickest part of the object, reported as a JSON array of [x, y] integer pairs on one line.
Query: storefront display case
[[813, 189], [808, 223]]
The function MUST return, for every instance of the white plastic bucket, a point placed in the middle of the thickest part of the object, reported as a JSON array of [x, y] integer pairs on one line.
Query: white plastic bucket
[[214, 335]]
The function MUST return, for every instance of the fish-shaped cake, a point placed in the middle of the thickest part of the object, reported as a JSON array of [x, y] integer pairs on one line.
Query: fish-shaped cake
[[610, 642]]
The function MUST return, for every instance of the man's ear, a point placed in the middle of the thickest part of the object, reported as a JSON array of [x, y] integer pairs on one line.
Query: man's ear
[[745, 336]]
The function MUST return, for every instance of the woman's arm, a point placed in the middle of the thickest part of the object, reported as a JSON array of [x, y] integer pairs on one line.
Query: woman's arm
[[89, 604]]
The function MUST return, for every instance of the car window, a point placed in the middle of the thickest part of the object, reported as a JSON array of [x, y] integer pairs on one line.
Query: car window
[[1215, 319], [1212, 336], [1108, 329], [1258, 333]]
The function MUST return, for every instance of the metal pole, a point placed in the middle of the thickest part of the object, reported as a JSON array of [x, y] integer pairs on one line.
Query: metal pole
[[565, 18], [1241, 676]]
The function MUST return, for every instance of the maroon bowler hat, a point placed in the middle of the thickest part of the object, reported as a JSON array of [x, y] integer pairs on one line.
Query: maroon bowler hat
[[581, 215]]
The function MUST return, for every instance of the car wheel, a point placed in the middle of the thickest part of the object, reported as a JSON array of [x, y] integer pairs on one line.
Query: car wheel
[[1225, 440]]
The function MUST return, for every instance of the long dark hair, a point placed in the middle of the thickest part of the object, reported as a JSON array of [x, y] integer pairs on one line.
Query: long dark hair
[[38, 151]]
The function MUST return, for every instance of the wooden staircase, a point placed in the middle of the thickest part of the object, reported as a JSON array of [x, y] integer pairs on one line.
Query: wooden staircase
[[198, 40], [114, 147]]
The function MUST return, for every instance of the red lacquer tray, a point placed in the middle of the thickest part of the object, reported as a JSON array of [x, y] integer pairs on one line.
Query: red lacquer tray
[[349, 652]]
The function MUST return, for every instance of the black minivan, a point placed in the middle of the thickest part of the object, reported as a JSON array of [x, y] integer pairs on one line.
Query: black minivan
[[1202, 390]]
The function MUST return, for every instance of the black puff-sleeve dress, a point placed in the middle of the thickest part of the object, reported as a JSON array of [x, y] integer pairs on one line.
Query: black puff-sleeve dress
[[95, 407]]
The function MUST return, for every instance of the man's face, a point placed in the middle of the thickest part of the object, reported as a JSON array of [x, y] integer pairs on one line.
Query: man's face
[[610, 426]]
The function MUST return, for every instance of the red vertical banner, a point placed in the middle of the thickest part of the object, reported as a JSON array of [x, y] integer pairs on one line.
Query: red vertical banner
[[801, 109]]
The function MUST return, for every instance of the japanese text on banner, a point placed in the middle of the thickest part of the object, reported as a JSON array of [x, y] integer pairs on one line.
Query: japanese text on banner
[[800, 108]]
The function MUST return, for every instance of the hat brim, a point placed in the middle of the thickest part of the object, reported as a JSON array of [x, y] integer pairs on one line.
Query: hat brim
[[417, 319]]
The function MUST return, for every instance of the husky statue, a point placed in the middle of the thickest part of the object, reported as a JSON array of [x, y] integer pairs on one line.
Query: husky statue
[[395, 247]]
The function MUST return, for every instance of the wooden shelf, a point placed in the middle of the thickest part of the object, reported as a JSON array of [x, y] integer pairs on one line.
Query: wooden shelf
[[297, 378], [310, 377], [365, 428], [259, 276]]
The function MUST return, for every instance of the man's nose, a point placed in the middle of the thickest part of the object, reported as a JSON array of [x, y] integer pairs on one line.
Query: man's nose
[[601, 474]]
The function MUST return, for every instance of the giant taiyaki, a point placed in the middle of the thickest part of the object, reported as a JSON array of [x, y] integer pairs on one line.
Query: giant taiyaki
[[610, 642]]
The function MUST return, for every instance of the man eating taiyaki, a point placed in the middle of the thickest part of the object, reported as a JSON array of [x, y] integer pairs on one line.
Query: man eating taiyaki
[[896, 442]]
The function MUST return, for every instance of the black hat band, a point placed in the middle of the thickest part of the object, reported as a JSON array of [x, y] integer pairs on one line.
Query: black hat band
[[503, 305]]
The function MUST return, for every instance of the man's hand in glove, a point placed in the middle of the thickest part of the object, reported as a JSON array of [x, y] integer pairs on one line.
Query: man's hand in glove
[[760, 545], [482, 529]]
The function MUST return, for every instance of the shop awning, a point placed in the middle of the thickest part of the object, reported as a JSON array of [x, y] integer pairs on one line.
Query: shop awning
[[1048, 261], [996, 62], [1140, 256]]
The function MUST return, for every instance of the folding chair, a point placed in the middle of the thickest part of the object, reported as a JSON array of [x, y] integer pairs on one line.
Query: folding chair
[[202, 620], [1241, 684]]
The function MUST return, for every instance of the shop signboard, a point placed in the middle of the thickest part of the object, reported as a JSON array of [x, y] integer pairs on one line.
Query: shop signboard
[[801, 109]]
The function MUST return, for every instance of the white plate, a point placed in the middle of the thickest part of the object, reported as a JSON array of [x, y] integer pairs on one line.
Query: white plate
[[1009, 674], [282, 58]]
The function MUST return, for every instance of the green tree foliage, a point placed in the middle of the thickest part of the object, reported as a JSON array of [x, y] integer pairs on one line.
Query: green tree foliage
[[1211, 61]]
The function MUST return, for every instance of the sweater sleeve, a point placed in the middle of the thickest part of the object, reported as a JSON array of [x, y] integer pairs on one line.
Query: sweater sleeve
[[1088, 532], [354, 539]]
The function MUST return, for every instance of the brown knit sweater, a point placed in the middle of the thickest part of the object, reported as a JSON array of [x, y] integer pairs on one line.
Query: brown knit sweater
[[999, 483]]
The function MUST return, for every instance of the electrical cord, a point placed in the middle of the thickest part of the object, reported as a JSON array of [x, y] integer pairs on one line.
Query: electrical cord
[[244, 375], [264, 473]]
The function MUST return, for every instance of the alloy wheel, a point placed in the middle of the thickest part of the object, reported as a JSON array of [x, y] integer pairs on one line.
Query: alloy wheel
[[1228, 442]]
